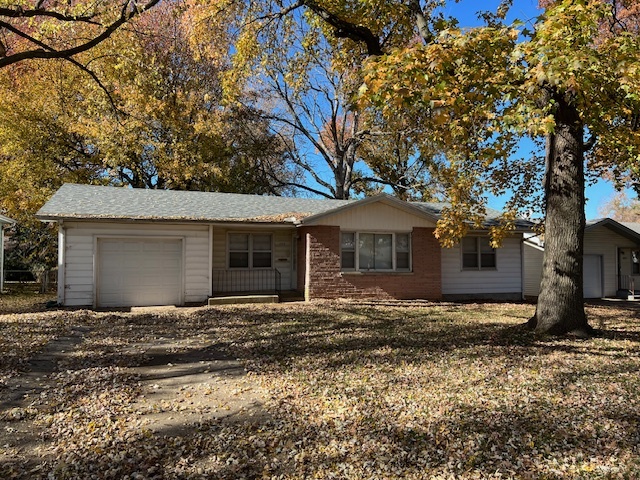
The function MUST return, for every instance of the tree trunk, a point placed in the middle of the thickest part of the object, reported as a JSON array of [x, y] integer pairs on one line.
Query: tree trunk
[[560, 307]]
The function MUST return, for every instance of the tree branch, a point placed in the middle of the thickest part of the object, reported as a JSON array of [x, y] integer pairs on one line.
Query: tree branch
[[421, 21], [345, 29], [39, 12], [589, 144], [47, 52]]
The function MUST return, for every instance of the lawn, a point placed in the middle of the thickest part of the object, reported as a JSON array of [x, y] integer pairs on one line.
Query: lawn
[[348, 390]]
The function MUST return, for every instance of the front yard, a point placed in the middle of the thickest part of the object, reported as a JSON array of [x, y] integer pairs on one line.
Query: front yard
[[321, 390]]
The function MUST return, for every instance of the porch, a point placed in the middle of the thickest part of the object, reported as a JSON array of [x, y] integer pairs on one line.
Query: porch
[[250, 286], [627, 287]]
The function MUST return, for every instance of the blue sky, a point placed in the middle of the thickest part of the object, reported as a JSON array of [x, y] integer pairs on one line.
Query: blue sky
[[527, 10]]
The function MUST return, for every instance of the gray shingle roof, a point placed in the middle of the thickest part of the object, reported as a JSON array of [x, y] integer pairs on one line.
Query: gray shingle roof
[[98, 202], [492, 216], [74, 201]]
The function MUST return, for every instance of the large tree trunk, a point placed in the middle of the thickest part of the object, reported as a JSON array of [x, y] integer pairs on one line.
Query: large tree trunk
[[560, 308]]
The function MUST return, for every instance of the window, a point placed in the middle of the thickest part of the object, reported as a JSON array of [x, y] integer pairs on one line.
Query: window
[[249, 250], [477, 253], [348, 247], [375, 251], [635, 262]]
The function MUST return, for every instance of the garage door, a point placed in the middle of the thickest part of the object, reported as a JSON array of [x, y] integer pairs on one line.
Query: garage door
[[592, 286], [139, 272]]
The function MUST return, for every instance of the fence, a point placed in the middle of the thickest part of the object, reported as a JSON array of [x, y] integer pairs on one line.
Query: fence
[[47, 279]]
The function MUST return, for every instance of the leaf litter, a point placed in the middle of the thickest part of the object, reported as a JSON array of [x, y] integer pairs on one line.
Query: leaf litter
[[323, 390]]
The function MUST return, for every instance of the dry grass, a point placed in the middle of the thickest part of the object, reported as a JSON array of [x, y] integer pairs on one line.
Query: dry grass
[[23, 298], [355, 391]]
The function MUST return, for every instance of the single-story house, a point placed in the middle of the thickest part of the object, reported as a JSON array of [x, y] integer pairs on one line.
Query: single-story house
[[611, 260], [4, 221], [133, 247]]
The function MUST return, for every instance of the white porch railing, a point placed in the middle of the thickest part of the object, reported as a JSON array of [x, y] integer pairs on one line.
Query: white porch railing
[[627, 282]]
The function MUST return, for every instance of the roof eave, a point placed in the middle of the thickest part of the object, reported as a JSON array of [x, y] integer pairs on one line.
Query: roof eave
[[207, 221], [6, 220]]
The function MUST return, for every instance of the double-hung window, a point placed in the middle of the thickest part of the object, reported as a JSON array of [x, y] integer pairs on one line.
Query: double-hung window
[[249, 250], [477, 254], [364, 251]]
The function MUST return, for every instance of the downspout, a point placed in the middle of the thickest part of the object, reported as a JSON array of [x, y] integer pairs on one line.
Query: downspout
[[307, 268], [522, 267], [210, 260], [61, 262]]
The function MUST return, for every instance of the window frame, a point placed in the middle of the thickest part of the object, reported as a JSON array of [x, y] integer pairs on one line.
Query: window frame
[[394, 252], [478, 253], [250, 251]]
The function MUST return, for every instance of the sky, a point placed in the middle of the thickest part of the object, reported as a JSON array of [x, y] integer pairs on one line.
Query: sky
[[600, 192]]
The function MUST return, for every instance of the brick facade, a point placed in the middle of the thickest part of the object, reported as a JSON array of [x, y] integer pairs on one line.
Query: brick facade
[[325, 280]]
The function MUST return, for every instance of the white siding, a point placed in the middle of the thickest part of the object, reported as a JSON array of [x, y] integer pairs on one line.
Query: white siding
[[506, 278], [532, 268], [281, 244], [599, 240], [376, 217], [602, 241], [80, 242]]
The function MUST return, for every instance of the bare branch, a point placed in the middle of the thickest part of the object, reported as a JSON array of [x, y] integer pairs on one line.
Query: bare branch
[[47, 52], [39, 12]]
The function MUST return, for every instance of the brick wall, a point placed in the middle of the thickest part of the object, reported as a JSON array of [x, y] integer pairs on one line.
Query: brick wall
[[325, 280]]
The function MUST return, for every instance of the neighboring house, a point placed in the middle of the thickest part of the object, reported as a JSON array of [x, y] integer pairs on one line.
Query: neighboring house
[[611, 260], [4, 221], [128, 247]]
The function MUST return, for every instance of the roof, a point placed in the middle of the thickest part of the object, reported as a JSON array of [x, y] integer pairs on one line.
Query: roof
[[6, 220], [74, 201], [91, 202], [627, 230], [410, 207], [492, 216]]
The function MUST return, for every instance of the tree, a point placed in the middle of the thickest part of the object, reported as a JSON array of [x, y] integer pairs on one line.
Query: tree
[[621, 208], [49, 29], [474, 93], [308, 86], [163, 124], [395, 159], [156, 119]]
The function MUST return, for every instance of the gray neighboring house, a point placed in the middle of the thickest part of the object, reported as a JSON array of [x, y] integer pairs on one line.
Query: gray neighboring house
[[123, 247], [4, 221], [611, 260]]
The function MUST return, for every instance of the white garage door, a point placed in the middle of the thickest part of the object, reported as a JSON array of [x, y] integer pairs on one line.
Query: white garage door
[[139, 272], [592, 286]]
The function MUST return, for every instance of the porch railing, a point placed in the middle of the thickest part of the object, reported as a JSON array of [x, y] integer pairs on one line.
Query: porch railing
[[257, 280], [627, 282]]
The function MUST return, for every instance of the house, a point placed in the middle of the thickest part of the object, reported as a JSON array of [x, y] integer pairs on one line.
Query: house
[[4, 221], [134, 247], [611, 260]]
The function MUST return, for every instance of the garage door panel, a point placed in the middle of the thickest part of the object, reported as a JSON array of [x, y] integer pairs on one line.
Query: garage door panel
[[139, 272]]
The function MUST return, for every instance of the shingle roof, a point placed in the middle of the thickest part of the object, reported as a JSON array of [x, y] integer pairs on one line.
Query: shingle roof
[[98, 202], [632, 226], [492, 216], [74, 201]]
